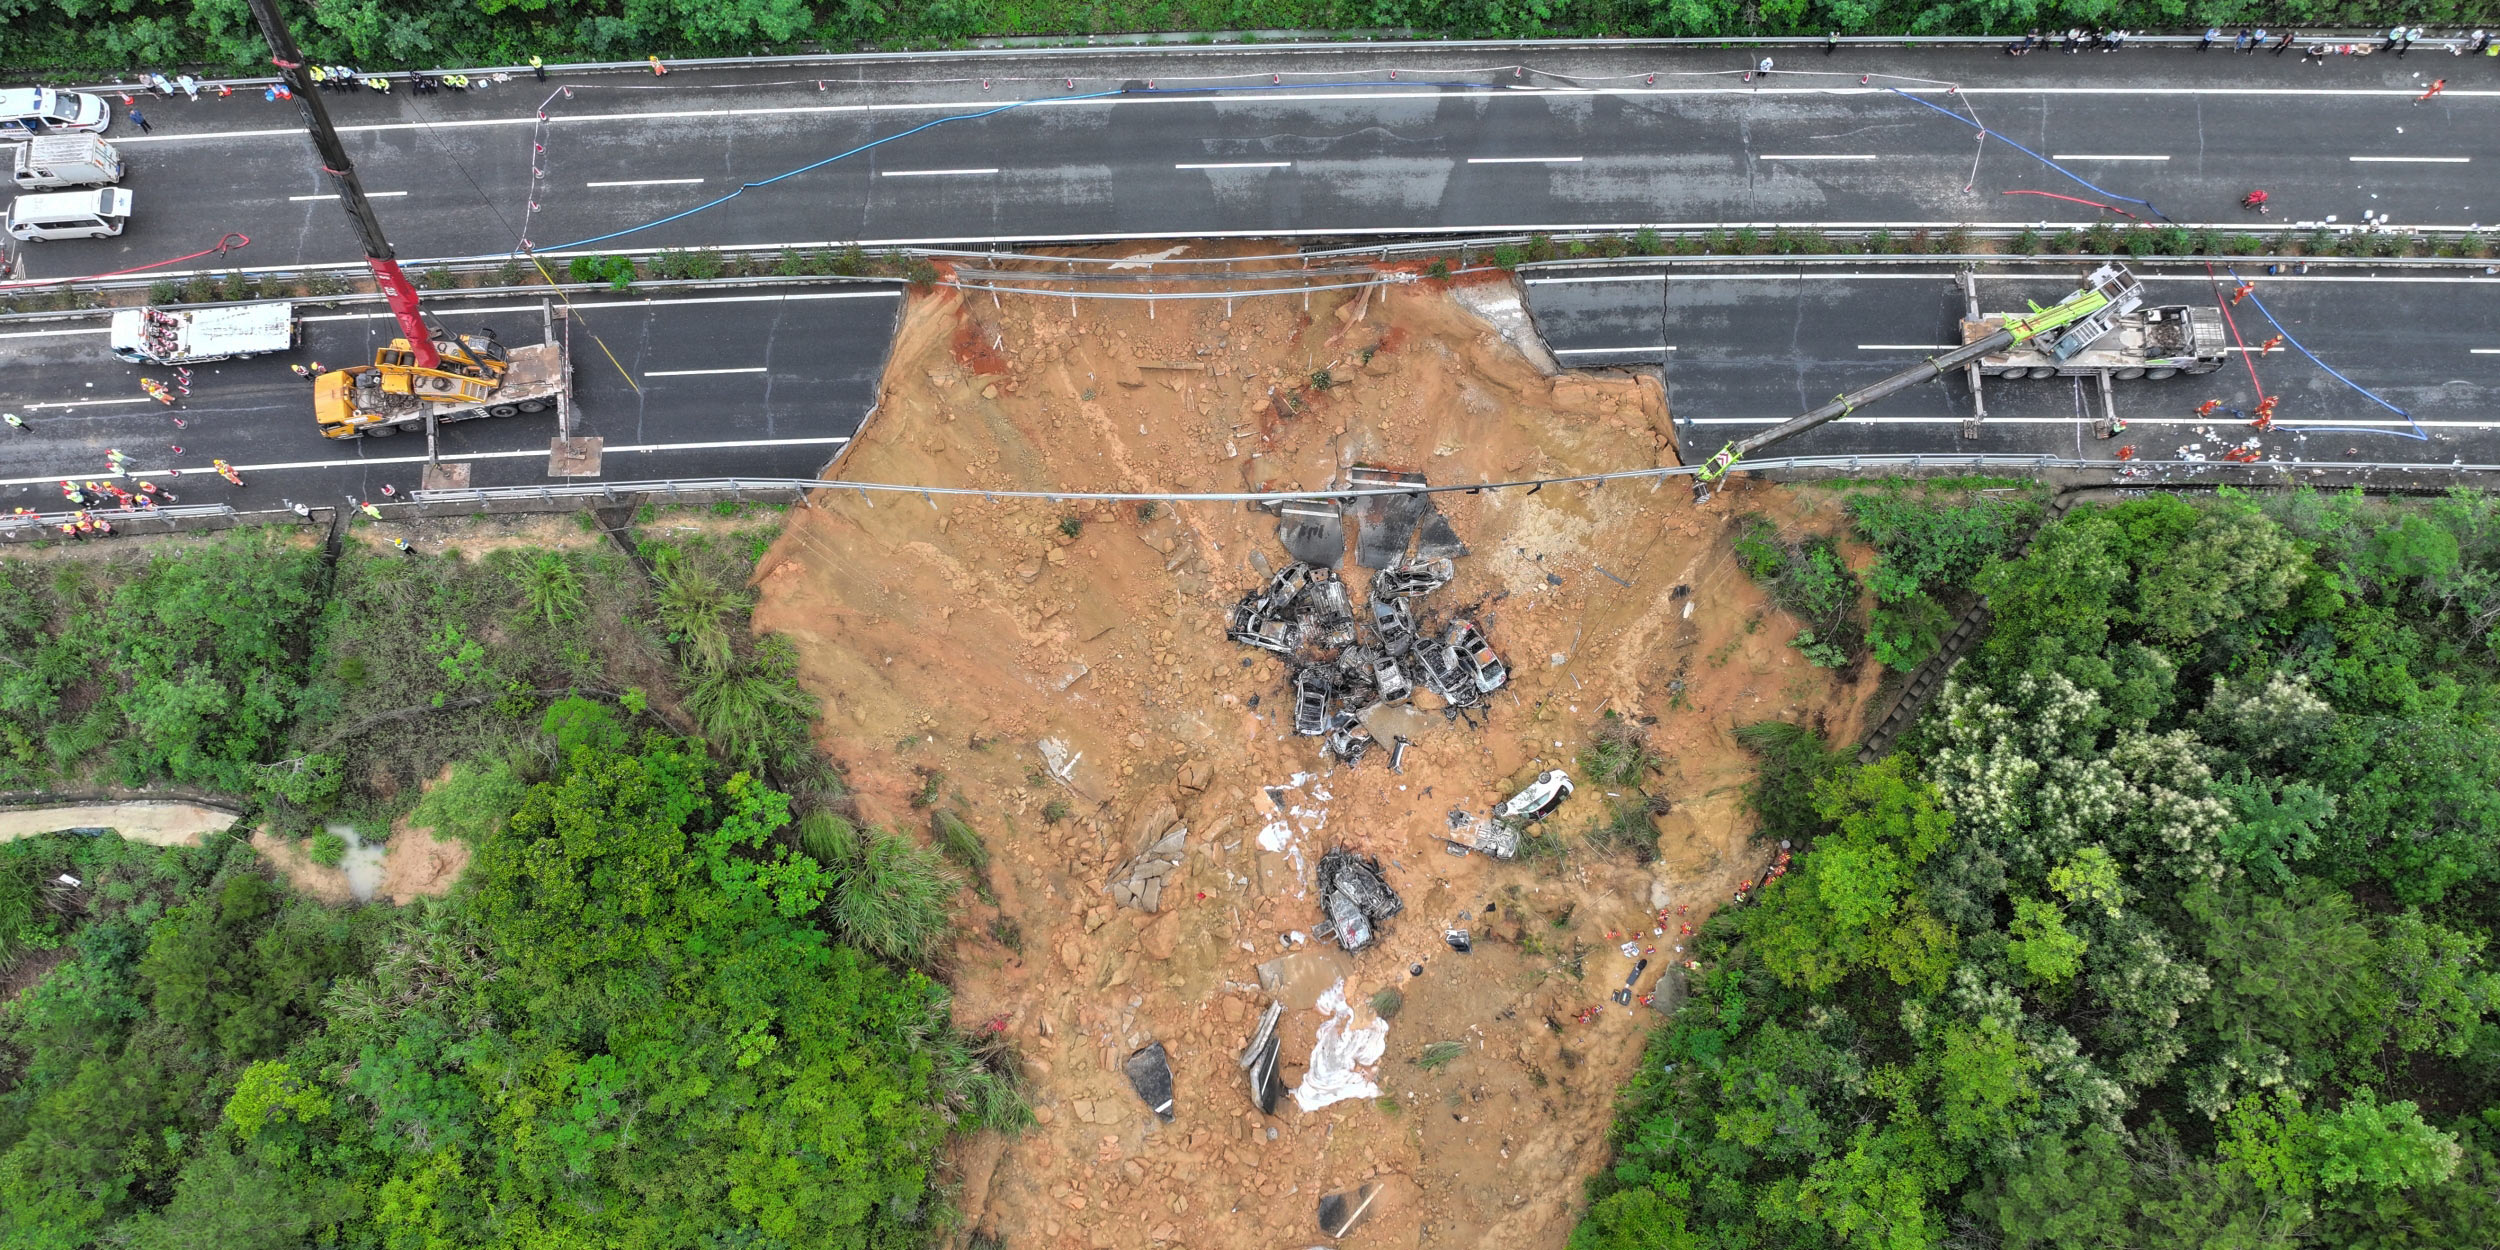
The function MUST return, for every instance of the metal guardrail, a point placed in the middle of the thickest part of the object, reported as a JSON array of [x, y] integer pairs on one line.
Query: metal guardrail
[[1466, 248], [709, 489], [25, 527], [572, 496], [1238, 43]]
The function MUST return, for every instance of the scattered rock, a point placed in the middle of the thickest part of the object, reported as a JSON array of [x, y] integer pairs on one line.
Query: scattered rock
[[1149, 1072], [1139, 882], [1195, 775]]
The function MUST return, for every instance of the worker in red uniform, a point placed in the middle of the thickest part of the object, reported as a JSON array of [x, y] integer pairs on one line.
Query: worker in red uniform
[[2270, 346], [2241, 292], [2206, 409]]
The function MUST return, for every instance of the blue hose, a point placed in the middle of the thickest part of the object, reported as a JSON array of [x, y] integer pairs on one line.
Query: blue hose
[[745, 187], [2077, 178], [2263, 311]]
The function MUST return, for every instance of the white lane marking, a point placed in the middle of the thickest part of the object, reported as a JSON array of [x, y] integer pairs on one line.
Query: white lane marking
[[2179, 421], [1322, 97], [1236, 165], [332, 195], [525, 454], [1937, 275], [1817, 156], [2100, 156], [2415, 160], [45, 334], [1603, 351], [647, 182], [2485, 351], [696, 373], [91, 403], [933, 173], [1523, 160], [1907, 347]]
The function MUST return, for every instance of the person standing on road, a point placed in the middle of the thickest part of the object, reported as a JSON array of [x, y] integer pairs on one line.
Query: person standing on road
[[2242, 43], [1764, 68], [2288, 37], [539, 67], [140, 120], [2207, 43], [2437, 85], [16, 422]]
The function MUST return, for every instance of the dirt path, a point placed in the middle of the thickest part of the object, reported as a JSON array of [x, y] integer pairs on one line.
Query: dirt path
[[155, 823], [954, 641]]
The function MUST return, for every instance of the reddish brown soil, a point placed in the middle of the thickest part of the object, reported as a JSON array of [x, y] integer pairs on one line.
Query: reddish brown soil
[[954, 638]]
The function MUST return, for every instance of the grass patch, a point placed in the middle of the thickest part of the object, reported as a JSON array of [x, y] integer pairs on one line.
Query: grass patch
[[1387, 1003], [932, 783], [960, 842], [1625, 829], [1438, 1055], [888, 894], [1618, 754]]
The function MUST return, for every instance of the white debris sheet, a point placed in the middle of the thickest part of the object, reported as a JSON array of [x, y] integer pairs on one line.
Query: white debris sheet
[[1343, 1059]]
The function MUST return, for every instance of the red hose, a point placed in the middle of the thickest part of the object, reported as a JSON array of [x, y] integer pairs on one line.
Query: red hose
[[225, 243], [2072, 200], [2241, 343]]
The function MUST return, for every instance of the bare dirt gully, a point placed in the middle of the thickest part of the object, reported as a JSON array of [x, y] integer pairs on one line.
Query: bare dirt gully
[[952, 641]]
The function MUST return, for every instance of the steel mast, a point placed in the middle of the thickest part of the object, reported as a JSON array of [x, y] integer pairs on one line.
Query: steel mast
[[379, 257]]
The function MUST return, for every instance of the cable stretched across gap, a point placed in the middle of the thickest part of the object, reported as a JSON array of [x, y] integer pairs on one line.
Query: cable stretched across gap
[[2418, 432], [743, 188], [2078, 179]]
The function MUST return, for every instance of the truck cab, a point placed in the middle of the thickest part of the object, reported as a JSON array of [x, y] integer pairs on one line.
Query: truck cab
[[28, 111], [69, 215]]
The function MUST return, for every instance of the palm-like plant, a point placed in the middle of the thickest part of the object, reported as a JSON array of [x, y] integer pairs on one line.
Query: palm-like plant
[[693, 609], [889, 894], [551, 588]]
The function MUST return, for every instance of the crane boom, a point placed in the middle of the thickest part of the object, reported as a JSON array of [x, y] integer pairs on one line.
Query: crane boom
[[2082, 317], [379, 257]]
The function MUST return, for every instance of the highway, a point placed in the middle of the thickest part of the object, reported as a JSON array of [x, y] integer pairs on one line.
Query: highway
[[738, 384], [1335, 148], [1748, 345]]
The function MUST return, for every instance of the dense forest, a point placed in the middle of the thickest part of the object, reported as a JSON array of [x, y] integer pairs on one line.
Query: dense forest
[[123, 35], [677, 1000], [2167, 925]]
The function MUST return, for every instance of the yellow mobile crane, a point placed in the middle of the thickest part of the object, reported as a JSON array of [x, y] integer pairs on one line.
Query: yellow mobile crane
[[2050, 337], [427, 375]]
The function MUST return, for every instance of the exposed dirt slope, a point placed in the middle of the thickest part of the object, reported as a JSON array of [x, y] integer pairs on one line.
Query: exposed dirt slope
[[954, 639]]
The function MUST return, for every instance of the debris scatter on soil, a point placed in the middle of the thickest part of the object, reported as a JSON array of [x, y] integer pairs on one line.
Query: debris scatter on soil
[[1059, 676]]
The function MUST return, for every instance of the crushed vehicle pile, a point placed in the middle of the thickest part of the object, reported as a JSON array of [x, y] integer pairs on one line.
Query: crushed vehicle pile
[[1344, 662]]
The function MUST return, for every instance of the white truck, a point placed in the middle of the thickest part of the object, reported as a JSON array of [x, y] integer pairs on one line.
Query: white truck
[[65, 161], [153, 336]]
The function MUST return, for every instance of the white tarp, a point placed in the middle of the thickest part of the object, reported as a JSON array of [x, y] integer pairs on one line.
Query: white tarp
[[1343, 1056]]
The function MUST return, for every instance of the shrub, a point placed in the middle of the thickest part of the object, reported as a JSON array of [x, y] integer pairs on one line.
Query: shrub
[[328, 849], [550, 587], [1438, 1055], [693, 608], [960, 842], [1508, 256], [1645, 242], [1056, 811], [1625, 828], [1071, 525], [1618, 754], [1387, 1003], [887, 893]]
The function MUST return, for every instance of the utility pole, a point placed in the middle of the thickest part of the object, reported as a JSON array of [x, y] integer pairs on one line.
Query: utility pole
[[378, 255]]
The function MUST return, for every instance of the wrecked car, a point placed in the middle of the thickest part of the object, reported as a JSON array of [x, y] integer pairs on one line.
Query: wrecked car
[[1415, 577], [1483, 667], [1285, 587], [1333, 613], [1251, 629], [1349, 740], [1310, 703], [1356, 898], [1392, 625], [1446, 675], [1542, 796], [1391, 681]]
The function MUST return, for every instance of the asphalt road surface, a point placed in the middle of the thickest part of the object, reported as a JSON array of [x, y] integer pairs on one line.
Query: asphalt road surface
[[1337, 147], [729, 385], [1746, 346]]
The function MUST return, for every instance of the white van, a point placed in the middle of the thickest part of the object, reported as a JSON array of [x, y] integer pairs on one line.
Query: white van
[[27, 111], [66, 161], [70, 215]]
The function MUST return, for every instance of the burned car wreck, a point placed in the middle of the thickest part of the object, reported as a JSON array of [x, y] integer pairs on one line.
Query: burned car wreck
[[1355, 898]]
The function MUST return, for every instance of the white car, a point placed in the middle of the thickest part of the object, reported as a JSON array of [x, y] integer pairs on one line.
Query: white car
[[1543, 795], [30, 111]]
